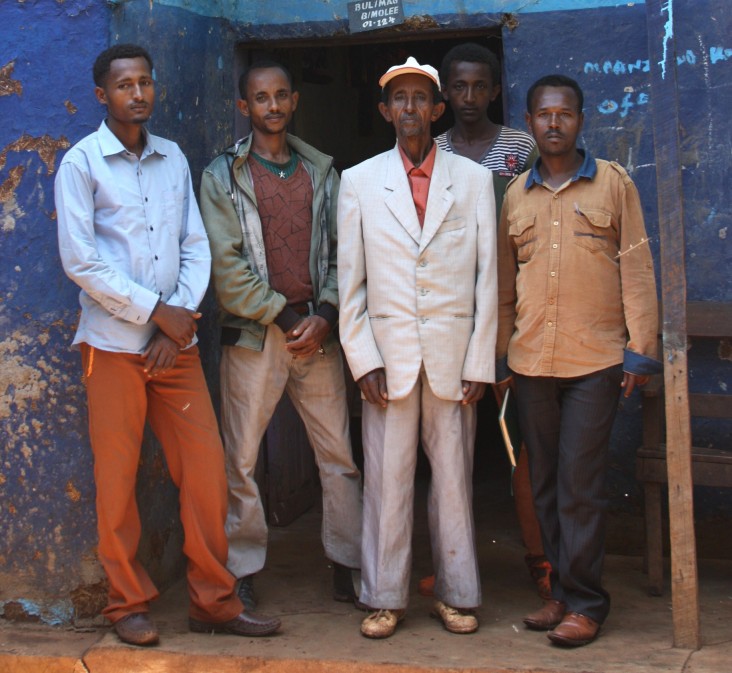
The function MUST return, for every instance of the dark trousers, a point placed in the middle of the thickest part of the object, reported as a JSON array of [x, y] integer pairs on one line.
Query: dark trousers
[[566, 425]]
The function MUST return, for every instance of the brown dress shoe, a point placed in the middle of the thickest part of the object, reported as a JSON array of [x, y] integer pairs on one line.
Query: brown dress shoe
[[136, 629], [547, 617], [244, 624], [575, 630]]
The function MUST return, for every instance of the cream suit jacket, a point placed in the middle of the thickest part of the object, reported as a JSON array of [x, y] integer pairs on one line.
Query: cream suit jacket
[[409, 295]]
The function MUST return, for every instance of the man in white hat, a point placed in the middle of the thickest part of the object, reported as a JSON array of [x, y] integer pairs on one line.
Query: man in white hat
[[417, 285]]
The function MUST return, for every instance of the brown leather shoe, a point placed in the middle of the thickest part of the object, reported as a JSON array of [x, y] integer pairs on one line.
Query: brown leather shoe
[[137, 629], [244, 624], [575, 630], [547, 617]]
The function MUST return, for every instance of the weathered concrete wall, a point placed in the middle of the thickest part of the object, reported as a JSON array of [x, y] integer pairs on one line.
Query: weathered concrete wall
[[48, 565]]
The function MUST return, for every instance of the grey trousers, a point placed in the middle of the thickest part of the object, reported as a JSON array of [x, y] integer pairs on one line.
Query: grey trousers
[[252, 384], [390, 438]]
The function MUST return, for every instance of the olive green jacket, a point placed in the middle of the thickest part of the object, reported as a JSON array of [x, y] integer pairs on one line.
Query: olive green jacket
[[239, 265]]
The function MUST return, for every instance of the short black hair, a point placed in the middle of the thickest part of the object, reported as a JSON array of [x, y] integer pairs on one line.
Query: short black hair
[[262, 64], [103, 62], [436, 93], [555, 81], [470, 53]]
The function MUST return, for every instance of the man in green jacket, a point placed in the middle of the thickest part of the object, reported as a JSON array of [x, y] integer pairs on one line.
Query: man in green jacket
[[269, 207]]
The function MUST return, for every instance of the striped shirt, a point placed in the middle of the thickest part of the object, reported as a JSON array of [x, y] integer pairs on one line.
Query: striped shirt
[[511, 153], [508, 154]]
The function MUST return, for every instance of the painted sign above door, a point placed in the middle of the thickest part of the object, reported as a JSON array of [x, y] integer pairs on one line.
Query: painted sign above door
[[374, 14]]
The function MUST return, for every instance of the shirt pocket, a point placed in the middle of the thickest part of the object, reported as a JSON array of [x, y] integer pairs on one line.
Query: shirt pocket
[[523, 235], [172, 212], [592, 229]]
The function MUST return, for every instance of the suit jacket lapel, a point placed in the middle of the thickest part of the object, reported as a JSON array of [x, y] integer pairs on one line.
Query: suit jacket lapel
[[399, 198], [439, 201]]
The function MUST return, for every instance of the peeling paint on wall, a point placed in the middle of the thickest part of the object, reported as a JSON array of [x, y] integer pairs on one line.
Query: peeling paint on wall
[[8, 85], [45, 146], [20, 383], [8, 187]]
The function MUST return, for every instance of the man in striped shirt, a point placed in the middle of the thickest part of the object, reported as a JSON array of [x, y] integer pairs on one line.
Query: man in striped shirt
[[471, 81]]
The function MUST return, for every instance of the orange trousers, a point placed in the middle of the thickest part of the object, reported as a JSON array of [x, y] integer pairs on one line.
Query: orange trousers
[[121, 396]]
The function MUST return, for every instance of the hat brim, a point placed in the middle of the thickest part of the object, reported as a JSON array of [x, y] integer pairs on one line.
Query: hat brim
[[406, 70]]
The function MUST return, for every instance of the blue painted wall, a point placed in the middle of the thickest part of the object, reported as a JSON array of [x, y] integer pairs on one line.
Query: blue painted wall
[[48, 568], [48, 565]]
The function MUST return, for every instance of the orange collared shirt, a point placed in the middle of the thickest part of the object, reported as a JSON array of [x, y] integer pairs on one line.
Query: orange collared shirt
[[419, 179]]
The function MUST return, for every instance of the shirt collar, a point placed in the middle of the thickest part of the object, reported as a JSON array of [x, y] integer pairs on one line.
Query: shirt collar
[[110, 143], [588, 169], [427, 166]]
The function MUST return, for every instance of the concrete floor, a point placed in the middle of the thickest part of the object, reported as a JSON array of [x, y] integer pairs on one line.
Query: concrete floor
[[321, 636]]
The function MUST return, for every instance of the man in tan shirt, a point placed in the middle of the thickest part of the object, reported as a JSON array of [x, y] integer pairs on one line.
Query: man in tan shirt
[[577, 322]]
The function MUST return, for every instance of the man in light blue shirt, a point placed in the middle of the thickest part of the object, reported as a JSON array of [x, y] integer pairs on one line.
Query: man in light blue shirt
[[131, 236]]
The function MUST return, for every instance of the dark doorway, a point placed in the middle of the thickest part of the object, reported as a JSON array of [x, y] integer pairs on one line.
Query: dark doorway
[[338, 114], [339, 92]]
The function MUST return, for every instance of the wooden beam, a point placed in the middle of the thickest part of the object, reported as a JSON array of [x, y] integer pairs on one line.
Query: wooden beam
[[664, 100]]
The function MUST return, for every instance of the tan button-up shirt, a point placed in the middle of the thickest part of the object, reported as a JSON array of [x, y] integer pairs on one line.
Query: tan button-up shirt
[[576, 287]]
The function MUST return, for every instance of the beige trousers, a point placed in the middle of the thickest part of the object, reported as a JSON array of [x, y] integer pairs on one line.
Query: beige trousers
[[390, 439], [252, 384]]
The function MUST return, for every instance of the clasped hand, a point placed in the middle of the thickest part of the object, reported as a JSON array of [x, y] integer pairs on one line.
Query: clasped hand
[[160, 354], [307, 336], [178, 323]]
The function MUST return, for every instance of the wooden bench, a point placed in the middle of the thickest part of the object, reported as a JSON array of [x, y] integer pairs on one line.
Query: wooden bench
[[709, 466]]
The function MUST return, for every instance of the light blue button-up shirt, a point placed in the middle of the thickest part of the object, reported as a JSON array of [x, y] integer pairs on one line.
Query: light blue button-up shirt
[[129, 233]]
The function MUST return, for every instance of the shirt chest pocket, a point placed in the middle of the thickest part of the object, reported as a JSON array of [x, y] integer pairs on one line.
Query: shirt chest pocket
[[523, 235], [593, 229], [172, 213]]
